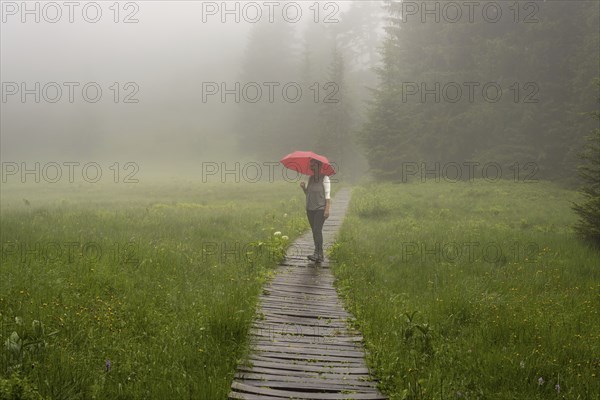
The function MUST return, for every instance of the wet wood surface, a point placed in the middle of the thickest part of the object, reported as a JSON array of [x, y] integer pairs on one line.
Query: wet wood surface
[[302, 346]]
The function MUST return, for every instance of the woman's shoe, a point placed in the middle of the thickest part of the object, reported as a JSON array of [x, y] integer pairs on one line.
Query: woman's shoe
[[313, 257]]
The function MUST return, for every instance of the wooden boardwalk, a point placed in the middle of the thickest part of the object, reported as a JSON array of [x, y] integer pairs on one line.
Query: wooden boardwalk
[[302, 346]]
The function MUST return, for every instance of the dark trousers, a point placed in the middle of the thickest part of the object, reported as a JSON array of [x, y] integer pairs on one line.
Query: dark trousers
[[316, 218]]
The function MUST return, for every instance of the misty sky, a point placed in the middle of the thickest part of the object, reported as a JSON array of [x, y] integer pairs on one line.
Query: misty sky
[[167, 54]]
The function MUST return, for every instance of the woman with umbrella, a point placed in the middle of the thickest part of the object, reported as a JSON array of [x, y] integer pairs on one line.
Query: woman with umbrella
[[317, 192]]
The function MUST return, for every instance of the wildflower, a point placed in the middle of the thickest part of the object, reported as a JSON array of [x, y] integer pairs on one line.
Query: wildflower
[[557, 387], [540, 381], [108, 365], [522, 364], [284, 237], [277, 233]]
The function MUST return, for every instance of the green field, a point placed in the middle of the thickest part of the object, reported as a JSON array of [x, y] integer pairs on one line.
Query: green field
[[160, 279], [468, 290], [472, 290]]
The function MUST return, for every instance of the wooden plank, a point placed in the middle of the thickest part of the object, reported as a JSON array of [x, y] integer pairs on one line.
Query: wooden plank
[[301, 330], [250, 396], [305, 312], [331, 380], [302, 319], [314, 295], [305, 289], [308, 350], [305, 285], [307, 359], [304, 264], [285, 300], [311, 368], [306, 395], [302, 374], [332, 296], [337, 346], [312, 276], [312, 280], [277, 335], [318, 385], [304, 300], [307, 344], [299, 310], [302, 283], [312, 326], [282, 302], [333, 345], [301, 327], [305, 321]]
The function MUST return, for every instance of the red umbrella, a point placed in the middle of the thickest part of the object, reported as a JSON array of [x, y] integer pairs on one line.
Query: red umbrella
[[299, 161]]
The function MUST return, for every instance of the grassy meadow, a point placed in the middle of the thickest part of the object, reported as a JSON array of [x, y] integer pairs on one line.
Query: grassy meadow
[[139, 291], [472, 290]]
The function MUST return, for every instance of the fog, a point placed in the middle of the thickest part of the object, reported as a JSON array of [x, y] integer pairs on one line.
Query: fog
[[166, 55], [162, 66]]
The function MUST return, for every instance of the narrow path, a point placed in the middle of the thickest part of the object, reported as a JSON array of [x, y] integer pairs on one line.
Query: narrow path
[[302, 346]]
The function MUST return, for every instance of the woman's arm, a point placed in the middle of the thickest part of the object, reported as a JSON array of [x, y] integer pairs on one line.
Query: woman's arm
[[327, 187]]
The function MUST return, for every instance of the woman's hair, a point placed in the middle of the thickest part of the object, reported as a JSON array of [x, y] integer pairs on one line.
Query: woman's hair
[[318, 164]]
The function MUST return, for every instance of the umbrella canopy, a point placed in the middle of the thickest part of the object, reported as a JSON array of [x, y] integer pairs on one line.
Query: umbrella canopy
[[299, 161]]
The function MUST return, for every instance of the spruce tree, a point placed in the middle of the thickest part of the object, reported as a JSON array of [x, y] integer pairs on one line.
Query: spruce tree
[[588, 226]]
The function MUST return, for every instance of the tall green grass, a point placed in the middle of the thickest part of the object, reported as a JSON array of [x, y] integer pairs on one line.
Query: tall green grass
[[168, 300], [472, 290]]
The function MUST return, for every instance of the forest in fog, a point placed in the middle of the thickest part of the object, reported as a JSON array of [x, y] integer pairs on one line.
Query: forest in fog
[[380, 87]]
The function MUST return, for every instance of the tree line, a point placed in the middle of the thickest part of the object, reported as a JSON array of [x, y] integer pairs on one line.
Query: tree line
[[395, 83]]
